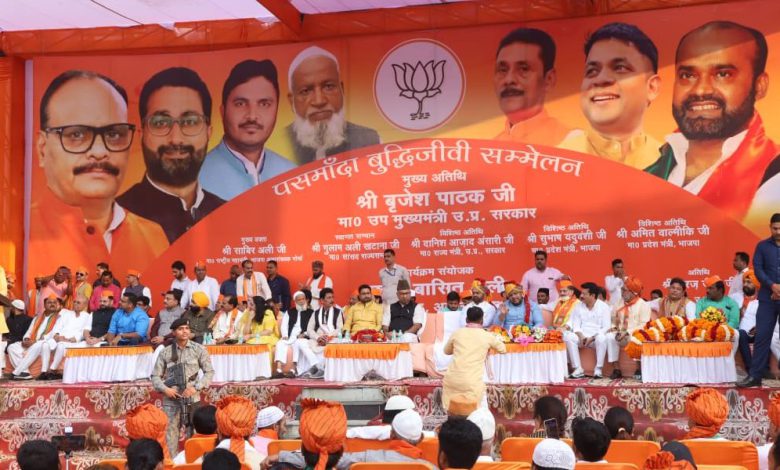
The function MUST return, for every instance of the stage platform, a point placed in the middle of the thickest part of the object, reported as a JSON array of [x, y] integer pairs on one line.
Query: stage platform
[[38, 410]]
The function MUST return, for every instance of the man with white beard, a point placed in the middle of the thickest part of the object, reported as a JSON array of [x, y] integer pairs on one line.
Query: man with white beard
[[316, 95]]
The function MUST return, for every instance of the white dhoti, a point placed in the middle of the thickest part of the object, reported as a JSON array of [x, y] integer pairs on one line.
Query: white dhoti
[[613, 346], [573, 348], [280, 352], [22, 358], [307, 357], [59, 352]]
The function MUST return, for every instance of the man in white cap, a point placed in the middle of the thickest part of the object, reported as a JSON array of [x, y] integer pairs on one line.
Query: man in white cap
[[394, 406], [552, 454], [271, 425], [486, 423], [18, 322]]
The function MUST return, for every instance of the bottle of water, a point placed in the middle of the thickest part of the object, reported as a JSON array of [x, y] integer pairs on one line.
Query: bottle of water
[[207, 338], [340, 337], [240, 339]]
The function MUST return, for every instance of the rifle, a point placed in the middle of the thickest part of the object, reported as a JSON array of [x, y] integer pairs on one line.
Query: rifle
[[177, 378]]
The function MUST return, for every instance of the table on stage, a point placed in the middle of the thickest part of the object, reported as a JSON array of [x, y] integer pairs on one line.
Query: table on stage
[[349, 362], [688, 363], [107, 364], [542, 363], [240, 362]]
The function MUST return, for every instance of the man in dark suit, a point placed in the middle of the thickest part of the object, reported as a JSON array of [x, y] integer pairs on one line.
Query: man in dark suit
[[316, 95]]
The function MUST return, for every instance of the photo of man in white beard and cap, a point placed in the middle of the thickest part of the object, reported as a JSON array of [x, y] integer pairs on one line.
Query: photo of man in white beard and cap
[[316, 95]]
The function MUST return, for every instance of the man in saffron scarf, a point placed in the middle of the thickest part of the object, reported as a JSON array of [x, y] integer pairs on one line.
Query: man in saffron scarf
[[236, 421], [149, 422], [721, 152], [517, 309], [565, 305], [675, 303], [589, 322], [629, 315], [707, 411], [37, 341], [480, 297]]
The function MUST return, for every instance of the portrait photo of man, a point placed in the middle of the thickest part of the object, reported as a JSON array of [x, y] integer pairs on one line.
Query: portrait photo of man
[[316, 96], [250, 101], [83, 152], [523, 76], [721, 152], [619, 84], [175, 110]]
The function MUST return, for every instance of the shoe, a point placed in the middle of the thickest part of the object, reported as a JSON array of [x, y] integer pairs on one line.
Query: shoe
[[55, 376], [320, 374], [291, 374], [43, 376], [749, 382], [277, 375], [22, 376], [597, 374], [616, 374], [578, 373], [638, 374]]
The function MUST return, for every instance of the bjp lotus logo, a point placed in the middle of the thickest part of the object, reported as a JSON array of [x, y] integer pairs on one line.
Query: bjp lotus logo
[[414, 71], [419, 82]]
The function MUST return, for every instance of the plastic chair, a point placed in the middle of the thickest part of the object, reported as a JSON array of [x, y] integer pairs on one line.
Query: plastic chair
[[606, 466], [521, 449], [501, 466], [361, 445], [274, 447], [118, 463], [718, 452], [634, 452], [195, 447], [430, 449], [391, 466]]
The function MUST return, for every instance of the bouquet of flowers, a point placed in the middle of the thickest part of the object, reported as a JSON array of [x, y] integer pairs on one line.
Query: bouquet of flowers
[[502, 334], [538, 334], [369, 336], [714, 315], [519, 330], [553, 336]]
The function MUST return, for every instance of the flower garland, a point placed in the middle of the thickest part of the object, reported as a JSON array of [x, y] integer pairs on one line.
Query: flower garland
[[553, 336], [659, 330], [369, 336], [710, 327]]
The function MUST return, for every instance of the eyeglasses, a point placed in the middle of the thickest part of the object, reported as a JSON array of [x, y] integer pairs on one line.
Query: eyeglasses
[[79, 138], [81, 274], [190, 124]]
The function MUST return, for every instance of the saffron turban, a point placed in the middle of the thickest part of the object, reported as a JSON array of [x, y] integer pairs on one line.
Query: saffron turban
[[376, 292], [479, 284], [564, 284], [634, 285], [200, 264], [148, 422], [750, 274], [774, 411], [323, 428], [664, 460], [709, 281], [461, 405], [708, 410], [133, 272], [236, 418], [200, 299], [107, 294], [509, 286]]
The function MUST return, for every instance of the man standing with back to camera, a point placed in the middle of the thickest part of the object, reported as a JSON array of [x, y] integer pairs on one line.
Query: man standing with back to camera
[[191, 358]]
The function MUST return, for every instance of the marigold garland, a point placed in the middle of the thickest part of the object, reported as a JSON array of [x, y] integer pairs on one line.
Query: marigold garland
[[553, 336], [678, 328]]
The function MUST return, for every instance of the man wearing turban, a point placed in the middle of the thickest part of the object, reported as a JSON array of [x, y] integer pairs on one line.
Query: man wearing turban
[[323, 433], [629, 315], [149, 422], [236, 420], [199, 316], [707, 411], [774, 427], [480, 297], [716, 297], [517, 309], [747, 324]]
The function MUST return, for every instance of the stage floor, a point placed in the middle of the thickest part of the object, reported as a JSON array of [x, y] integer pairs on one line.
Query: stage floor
[[39, 410]]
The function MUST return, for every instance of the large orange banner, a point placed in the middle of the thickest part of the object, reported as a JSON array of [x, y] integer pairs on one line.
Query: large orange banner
[[644, 136]]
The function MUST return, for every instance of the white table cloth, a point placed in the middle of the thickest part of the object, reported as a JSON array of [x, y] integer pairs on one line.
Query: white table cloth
[[107, 364], [240, 363], [688, 367], [542, 363], [352, 369]]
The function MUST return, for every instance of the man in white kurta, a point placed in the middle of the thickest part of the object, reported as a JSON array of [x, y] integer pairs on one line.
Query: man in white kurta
[[227, 323], [629, 315], [326, 323], [479, 293], [590, 321], [203, 283], [37, 341], [318, 281], [454, 318], [614, 282], [70, 331], [252, 283]]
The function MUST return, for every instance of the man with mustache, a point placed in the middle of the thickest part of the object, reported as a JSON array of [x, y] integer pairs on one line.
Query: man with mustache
[[620, 82], [523, 75], [83, 151], [175, 109], [721, 152], [316, 95], [250, 101]]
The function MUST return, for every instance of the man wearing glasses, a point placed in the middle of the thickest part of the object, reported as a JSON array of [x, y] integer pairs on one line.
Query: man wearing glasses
[[83, 147], [175, 109]]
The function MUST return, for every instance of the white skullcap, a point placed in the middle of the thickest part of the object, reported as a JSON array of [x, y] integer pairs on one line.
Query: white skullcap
[[399, 402], [18, 304], [485, 421], [268, 416], [308, 53], [297, 293], [554, 453], [408, 425]]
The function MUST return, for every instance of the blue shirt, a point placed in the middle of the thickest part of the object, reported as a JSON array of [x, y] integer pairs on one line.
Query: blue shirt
[[228, 287], [137, 321], [516, 316], [280, 291], [766, 263], [226, 176]]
